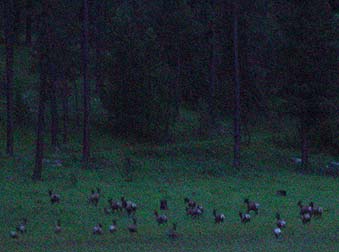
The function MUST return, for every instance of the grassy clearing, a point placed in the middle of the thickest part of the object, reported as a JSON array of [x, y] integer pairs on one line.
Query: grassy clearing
[[198, 169]]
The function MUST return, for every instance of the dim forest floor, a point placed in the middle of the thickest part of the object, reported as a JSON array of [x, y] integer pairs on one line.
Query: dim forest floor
[[197, 168]]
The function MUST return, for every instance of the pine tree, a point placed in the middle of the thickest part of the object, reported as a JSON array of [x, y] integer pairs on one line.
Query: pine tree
[[43, 51], [9, 38], [85, 52], [308, 66]]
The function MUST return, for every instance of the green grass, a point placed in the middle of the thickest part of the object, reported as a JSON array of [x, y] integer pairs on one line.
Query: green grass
[[198, 169]]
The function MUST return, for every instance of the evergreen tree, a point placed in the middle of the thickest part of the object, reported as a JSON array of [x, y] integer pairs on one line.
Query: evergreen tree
[[308, 66], [43, 47], [9, 38], [86, 88]]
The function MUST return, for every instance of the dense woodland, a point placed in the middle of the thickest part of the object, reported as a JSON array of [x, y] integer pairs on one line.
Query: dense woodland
[[181, 88], [249, 61]]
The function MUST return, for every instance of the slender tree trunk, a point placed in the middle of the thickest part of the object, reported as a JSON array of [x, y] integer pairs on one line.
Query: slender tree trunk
[[236, 160], [40, 129], [85, 150], [304, 146], [43, 52], [76, 101], [53, 104], [17, 21], [8, 11], [29, 23], [176, 88], [65, 112], [212, 78], [98, 46], [53, 80], [98, 72]]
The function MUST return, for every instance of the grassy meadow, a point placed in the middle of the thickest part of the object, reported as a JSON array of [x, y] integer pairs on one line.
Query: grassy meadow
[[200, 169]]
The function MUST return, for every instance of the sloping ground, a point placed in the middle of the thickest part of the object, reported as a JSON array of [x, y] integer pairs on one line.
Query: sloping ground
[[197, 169]]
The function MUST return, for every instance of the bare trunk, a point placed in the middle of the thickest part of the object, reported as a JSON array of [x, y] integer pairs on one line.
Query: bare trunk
[[213, 79], [43, 51], [53, 78], [17, 21], [177, 84], [29, 23], [65, 112], [85, 150], [40, 130], [304, 147], [98, 46], [54, 111], [98, 74], [77, 109], [236, 160], [8, 11]]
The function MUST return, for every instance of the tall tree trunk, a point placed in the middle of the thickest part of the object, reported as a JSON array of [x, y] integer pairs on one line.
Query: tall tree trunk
[[212, 75], [99, 78], [76, 101], [53, 104], [29, 23], [17, 21], [176, 88], [85, 143], [43, 61], [65, 112], [236, 160], [304, 146], [40, 128], [53, 80], [8, 14]]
